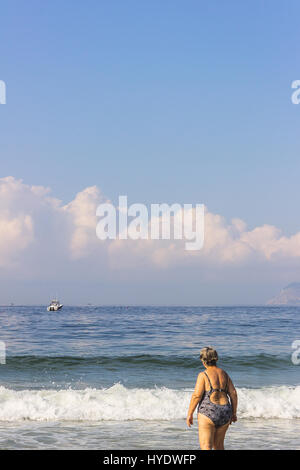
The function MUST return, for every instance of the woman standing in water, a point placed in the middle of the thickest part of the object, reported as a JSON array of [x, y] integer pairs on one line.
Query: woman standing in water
[[215, 411]]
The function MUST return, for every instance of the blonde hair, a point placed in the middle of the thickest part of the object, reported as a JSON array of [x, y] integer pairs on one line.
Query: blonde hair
[[209, 355]]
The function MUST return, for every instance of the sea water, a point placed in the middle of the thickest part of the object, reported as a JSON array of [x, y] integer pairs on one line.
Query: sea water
[[122, 377]]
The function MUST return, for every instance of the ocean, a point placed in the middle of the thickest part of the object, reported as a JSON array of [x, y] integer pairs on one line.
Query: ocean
[[99, 377]]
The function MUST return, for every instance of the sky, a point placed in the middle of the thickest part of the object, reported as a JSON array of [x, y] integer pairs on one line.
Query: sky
[[173, 101]]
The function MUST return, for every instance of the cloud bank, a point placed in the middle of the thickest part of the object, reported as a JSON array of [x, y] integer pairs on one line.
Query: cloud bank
[[30, 218], [43, 238]]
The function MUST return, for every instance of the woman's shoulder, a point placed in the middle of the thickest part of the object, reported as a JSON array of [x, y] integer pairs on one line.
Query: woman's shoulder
[[223, 372], [201, 375]]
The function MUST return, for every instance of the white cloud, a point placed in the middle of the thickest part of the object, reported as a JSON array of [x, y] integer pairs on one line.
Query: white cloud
[[38, 230], [82, 215], [16, 234]]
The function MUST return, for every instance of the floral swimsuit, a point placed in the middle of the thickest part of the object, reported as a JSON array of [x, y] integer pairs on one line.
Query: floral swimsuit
[[219, 414]]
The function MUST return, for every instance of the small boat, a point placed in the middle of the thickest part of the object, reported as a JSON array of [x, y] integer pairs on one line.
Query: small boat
[[54, 306]]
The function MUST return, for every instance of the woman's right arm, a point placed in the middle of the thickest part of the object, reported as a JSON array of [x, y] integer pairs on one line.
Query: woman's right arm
[[196, 397], [233, 398]]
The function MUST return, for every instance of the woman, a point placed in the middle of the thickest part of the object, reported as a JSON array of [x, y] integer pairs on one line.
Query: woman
[[215, 411]]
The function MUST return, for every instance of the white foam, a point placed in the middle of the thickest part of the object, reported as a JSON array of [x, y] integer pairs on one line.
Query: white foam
[[123, 404], [270, 402]]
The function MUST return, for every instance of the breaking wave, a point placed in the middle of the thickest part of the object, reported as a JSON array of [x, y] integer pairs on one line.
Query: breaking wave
[[119, 403]]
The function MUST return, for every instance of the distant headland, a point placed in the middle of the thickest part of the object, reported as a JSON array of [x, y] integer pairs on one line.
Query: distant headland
[[289, 295]]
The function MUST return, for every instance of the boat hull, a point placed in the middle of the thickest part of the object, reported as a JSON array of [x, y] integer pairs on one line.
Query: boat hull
[[51, 308]]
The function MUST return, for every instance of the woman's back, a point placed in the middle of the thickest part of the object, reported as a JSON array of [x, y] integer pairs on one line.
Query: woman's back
[[216, 384]]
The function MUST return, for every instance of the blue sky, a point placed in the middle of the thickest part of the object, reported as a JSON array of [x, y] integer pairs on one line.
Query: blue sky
[[169, 101]]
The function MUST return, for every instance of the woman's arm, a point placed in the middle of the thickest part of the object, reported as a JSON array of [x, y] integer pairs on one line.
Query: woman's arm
[[196, 397], [233, 398]]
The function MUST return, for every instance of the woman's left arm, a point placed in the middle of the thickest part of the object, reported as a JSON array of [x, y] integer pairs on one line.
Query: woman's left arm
[[196, 397]]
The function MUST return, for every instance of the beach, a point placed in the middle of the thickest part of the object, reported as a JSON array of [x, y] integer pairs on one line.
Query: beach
[[121, 377]]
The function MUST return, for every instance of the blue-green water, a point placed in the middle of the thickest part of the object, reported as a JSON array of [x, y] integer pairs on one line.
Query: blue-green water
[[121, 377]]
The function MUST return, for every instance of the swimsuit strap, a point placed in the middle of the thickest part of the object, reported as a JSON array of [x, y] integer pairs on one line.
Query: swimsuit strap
[[226, 386], [211, 388], [217, 389]]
